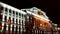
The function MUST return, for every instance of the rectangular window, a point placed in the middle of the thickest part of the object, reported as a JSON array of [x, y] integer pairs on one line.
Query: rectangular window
[[16, 13], [6, 9], [19, 21], [16, 21], [19, 15], [10, 18], [22, 16], [13, 20], [22, 22], [10, 11], [5, 18], [13, 12]]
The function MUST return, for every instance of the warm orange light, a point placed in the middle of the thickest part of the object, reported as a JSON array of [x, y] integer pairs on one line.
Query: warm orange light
[[0, 27], [40, 12], [39, 22], [9, 22]]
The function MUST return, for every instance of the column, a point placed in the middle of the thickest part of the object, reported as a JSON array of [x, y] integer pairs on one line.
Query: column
[[11, 22], [15, 23], [21, 23], [4, 23], [13, 19], [18, 24], [3, 19], [7, 26]]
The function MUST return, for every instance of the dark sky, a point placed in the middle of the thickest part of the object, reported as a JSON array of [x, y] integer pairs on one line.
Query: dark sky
[[51, 7]]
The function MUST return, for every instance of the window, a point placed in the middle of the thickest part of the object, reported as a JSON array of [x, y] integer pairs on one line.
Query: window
[[5, 18], [16, 13], [9, 17], [19, 15], [22, 21], [16, 20], [24, 10], [13, 12], [22, 16], [6, 9], [10, 11], [13, 20], [19, 21]]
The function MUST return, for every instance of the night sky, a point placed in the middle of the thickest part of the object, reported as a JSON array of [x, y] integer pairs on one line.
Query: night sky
[[51, 7]]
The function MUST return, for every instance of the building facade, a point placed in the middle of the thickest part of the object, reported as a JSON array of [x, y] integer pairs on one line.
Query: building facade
[[12, 19], [16, 21]]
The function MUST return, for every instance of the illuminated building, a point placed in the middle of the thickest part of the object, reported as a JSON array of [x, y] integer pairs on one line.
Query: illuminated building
[[16, 21], [16, 16]]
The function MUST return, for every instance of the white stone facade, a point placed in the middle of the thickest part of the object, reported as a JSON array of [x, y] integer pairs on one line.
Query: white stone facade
[[12, 13]]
